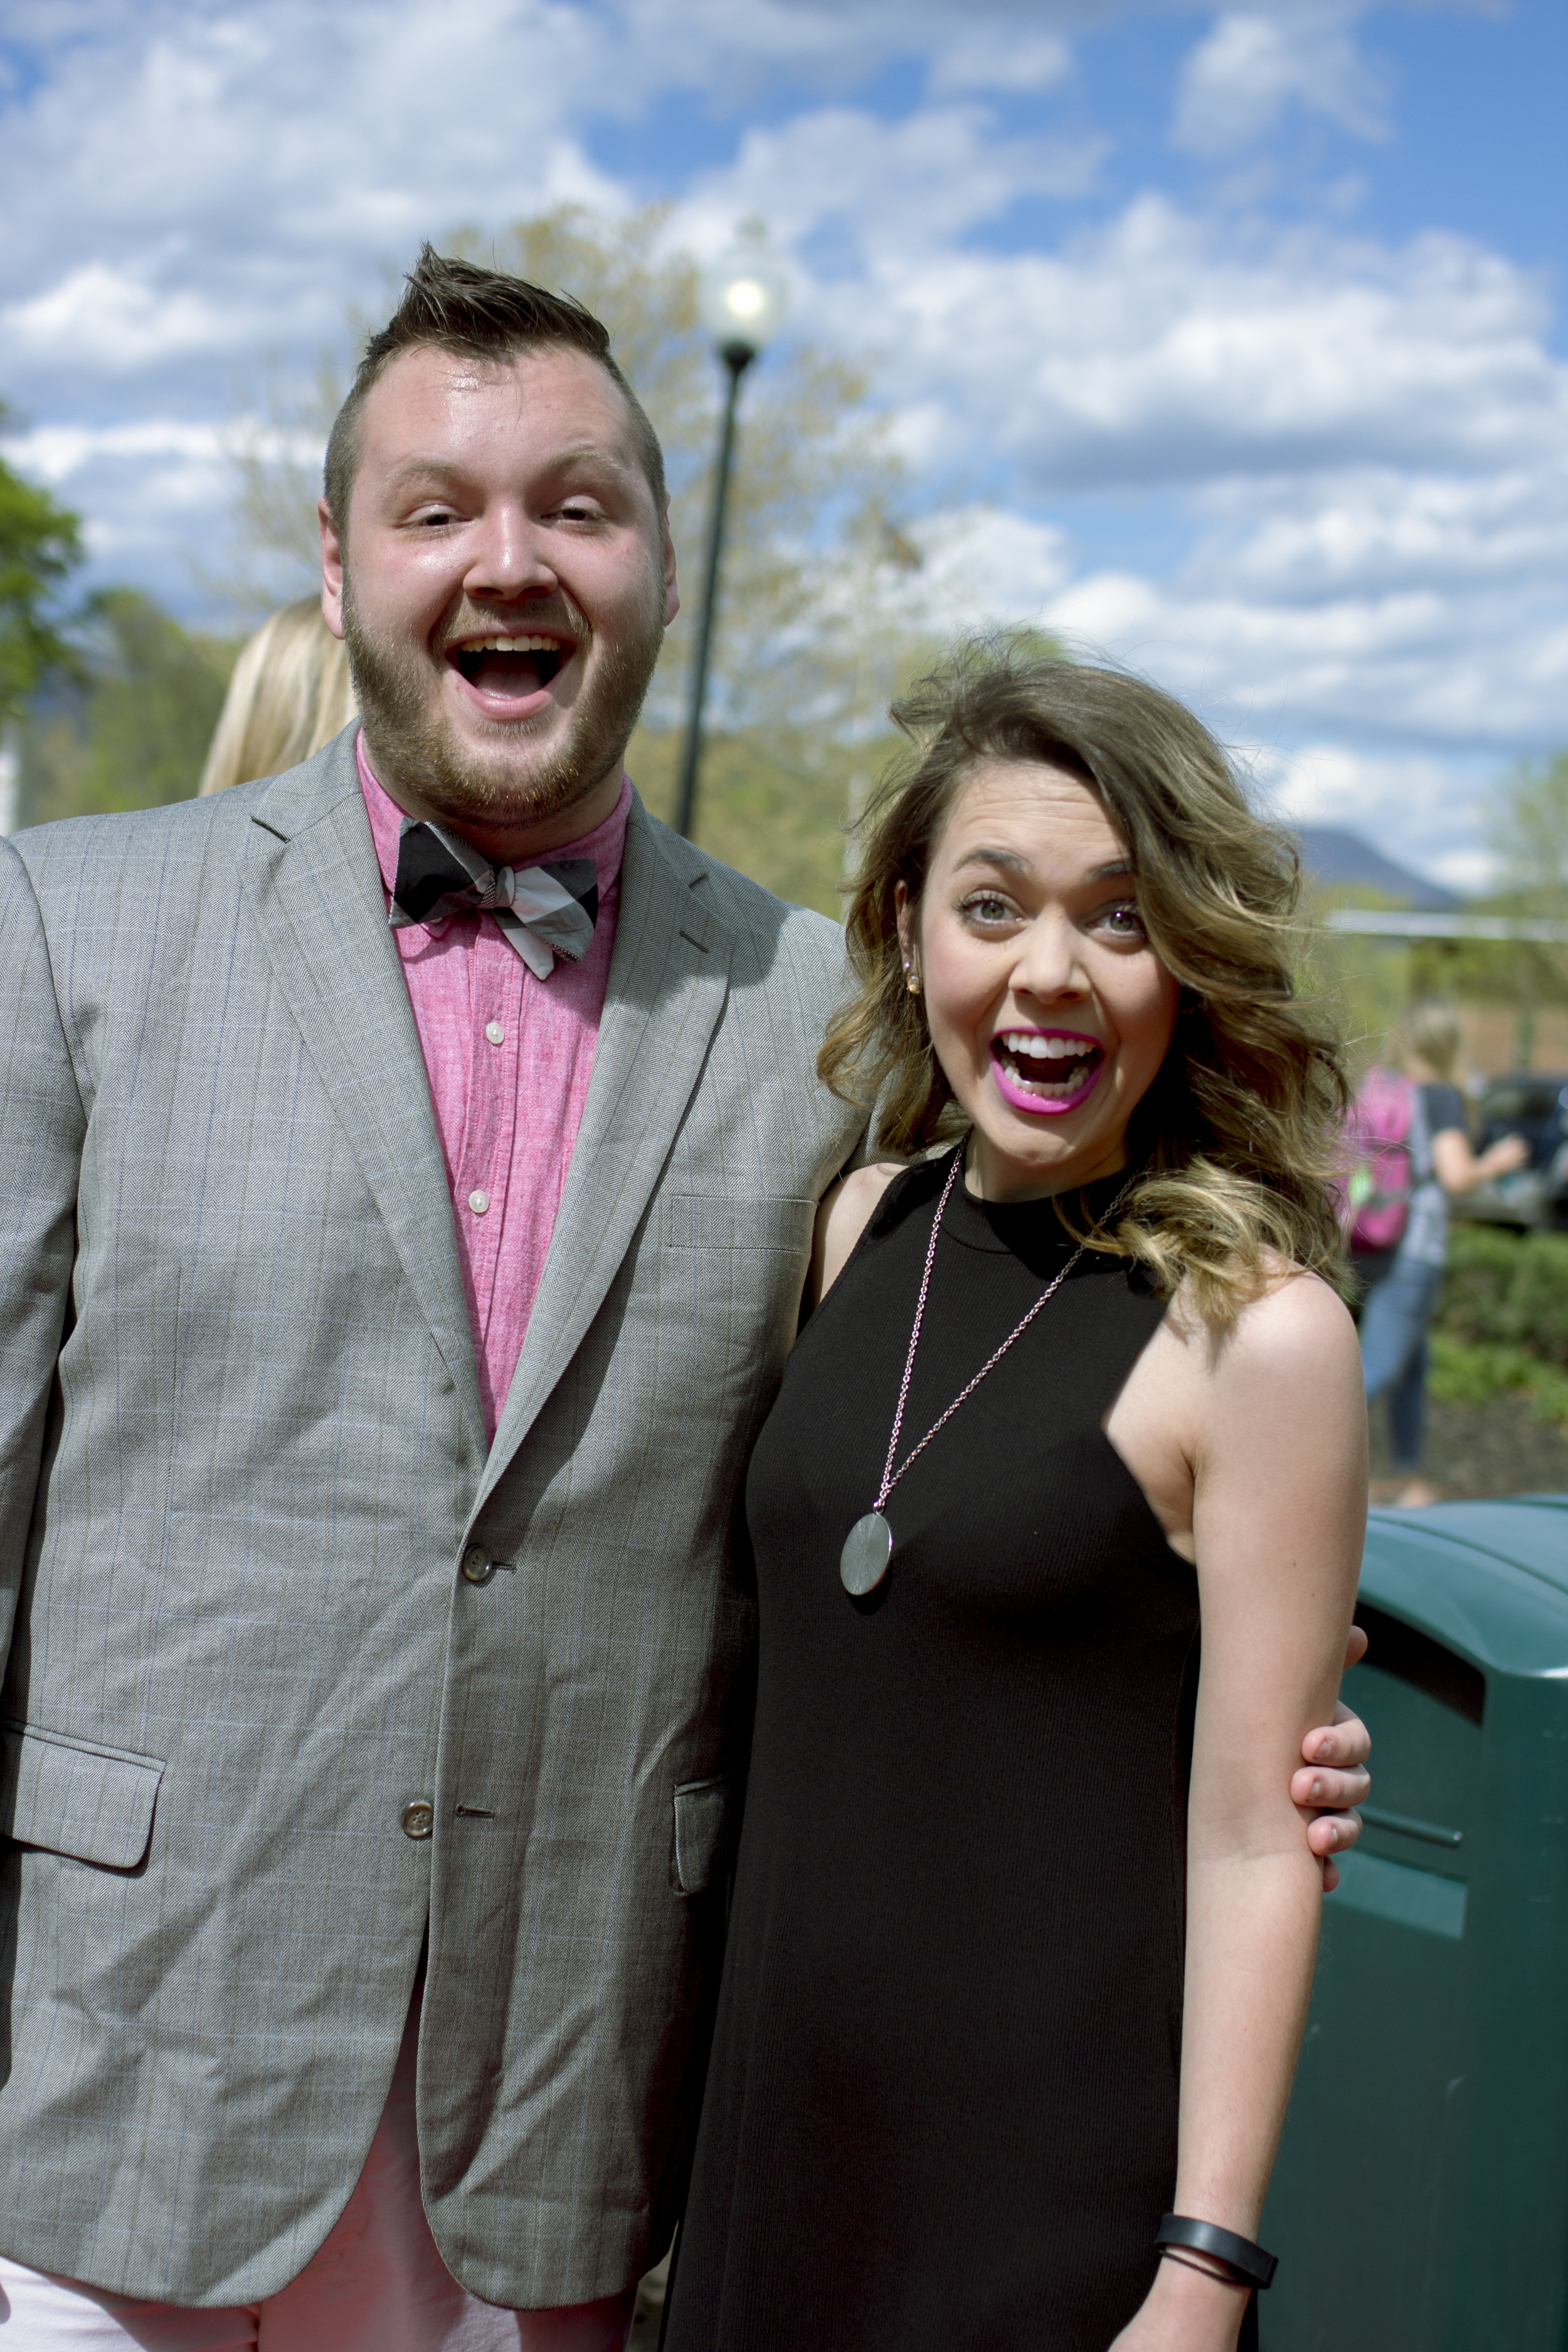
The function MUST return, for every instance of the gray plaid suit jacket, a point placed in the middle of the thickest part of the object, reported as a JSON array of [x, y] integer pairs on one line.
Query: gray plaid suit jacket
[[241, 1460]]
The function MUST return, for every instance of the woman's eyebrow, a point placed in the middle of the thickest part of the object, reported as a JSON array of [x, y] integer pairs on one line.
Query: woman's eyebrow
[[1013, 863], [1006, 857]]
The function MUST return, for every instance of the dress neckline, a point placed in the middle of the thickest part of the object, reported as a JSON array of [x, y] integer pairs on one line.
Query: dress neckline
[[1030, 1230]]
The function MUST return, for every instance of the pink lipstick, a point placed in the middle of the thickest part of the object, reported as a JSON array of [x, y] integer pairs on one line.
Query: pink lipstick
[[1046, 1071]]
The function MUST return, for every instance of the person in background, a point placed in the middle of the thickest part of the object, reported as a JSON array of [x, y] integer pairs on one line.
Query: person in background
[[289, 694], [1400, 1284]]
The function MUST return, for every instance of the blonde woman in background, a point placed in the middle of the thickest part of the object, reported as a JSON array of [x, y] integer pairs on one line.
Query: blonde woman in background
[[289, 694], [1400, 1285]]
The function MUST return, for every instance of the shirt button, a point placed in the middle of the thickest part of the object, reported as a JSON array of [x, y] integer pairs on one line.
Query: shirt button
[[419, 1818], [478, 1202], [495, 1033], [477, 1565]]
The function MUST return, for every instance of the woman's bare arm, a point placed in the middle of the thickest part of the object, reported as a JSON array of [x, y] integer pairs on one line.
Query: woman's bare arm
[[1460, 1170], [1275, 1425]]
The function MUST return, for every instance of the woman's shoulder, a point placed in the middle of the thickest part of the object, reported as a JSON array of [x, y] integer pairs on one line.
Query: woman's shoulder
[[1294, 1328]]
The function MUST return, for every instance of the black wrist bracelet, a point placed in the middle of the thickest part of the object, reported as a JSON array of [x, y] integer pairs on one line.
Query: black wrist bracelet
[[1251, 2265], [1220, 2277]]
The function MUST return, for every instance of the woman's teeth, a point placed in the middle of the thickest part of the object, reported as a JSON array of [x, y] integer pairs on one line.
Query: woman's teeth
[[1047, 1065]]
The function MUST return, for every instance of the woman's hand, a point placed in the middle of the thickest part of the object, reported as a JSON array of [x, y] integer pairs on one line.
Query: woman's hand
[[1460, 1171], [1335, 1779], [1187, 2309]]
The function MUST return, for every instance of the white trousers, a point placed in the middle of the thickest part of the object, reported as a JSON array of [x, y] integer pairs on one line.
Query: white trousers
[[378, 2284]]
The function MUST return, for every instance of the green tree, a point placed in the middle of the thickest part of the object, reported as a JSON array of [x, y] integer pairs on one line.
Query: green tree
[[1530, 834], [40, 543], [132, 731]]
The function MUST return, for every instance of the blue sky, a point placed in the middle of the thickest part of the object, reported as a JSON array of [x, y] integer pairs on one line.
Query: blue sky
[[1227, 340]]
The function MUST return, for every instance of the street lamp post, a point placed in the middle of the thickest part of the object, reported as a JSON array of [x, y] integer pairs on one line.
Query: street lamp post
[[742, 302]]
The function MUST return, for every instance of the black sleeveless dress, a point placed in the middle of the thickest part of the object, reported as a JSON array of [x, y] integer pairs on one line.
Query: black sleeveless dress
[[940, 2110]]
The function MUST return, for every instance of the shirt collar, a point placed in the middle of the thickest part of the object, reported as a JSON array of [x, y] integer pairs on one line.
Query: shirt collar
[[605, 844]]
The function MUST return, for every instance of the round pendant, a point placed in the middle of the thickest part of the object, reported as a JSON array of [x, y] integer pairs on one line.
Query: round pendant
[[867, 1547]]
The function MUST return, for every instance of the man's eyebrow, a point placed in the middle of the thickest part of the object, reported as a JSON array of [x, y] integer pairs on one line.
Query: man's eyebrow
[[448, 469], [426, 469], [594, 453]]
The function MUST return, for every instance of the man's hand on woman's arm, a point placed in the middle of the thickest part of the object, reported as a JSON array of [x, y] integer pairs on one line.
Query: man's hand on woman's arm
[[1334, 1778]]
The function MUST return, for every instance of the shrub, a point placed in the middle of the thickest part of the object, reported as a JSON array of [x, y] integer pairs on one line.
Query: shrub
[[1470, 1372], [1507, 1292]]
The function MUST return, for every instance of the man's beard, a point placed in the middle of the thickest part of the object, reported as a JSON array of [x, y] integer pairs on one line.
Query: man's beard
[[405, 726]]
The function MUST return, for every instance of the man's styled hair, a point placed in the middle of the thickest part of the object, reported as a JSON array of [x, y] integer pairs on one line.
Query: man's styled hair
[[479, 314]]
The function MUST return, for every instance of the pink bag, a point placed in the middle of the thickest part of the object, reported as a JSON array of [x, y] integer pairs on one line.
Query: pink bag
[[1375, 1194]]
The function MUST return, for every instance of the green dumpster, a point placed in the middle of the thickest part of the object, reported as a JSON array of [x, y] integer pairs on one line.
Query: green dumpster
[[1433, 2088]]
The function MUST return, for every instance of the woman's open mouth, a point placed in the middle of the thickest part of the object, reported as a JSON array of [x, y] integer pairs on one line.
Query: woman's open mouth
[[1049, 1070]]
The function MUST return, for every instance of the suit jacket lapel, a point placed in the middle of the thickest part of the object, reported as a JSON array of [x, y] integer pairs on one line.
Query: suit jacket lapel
[[312, 877], [668, 979]]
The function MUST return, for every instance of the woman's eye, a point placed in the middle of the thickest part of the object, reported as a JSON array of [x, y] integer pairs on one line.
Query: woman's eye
[[1124, 921], [988, 907]]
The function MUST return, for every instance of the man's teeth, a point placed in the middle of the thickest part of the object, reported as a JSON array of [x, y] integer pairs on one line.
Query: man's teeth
[[1046, 1049], [514, 645]]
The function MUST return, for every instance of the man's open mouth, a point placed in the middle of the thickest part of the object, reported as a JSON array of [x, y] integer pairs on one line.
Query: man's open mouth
[[1051, 1065], [511, 665]]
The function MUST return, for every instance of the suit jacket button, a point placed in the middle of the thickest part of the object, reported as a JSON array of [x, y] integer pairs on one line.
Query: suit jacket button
[[419, 1818], [476, 1564]]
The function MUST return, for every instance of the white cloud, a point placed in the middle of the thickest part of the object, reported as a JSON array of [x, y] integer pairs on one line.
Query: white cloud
[[1163, 347], [1414, 808], [997, 60], [1250, 65], [1373, 529], [109, 320], [982, 565], [57, 451], [906, 189], [1416, 663]]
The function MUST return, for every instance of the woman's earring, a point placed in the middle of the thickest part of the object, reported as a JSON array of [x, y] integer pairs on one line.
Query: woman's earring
[[911, 980]]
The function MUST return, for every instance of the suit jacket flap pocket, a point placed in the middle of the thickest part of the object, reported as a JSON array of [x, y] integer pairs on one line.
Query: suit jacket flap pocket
[[701, 1834], [92, 1803]]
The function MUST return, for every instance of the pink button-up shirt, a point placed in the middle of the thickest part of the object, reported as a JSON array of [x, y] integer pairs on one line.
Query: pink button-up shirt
[[509, 1058]]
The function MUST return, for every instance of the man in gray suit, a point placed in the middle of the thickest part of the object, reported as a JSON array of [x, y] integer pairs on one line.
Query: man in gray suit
[[409, 1166]]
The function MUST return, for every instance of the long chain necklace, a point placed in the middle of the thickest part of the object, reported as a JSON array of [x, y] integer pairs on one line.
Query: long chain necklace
[[868, 1546]]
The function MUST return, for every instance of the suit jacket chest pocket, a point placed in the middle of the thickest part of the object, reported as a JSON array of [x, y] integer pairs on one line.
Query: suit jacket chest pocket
[[730, 1274]]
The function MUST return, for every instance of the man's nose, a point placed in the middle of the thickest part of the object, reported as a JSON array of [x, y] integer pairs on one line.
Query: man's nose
[[509, 558]]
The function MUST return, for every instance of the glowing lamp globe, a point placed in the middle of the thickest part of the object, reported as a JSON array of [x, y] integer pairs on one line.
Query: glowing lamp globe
[[743, 299]]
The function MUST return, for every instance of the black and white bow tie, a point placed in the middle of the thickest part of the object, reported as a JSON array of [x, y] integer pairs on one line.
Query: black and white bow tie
[[544, 910]]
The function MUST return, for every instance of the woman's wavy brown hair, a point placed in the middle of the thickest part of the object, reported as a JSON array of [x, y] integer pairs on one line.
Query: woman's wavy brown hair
[[1237, 1138]]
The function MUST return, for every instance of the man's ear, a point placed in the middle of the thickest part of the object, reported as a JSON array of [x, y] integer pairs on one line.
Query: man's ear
[[331, 570], [671, 592]]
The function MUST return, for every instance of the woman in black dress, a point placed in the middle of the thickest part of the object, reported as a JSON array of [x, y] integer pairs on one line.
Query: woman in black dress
[[1023, 1922]]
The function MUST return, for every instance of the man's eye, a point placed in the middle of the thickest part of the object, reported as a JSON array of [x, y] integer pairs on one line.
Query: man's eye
[[578, 513]]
